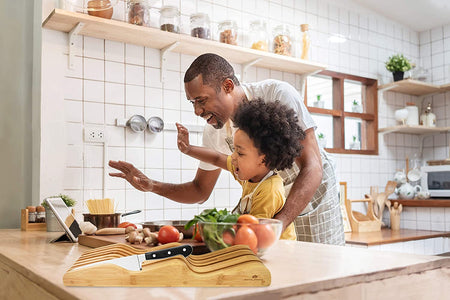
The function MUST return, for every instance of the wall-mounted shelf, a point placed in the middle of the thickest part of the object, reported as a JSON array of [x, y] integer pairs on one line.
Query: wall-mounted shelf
[[414, 129], [423, 203], [114, 30], [412, 87]]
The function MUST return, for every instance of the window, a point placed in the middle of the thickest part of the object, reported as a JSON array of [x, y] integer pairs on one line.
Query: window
[[344, 108]]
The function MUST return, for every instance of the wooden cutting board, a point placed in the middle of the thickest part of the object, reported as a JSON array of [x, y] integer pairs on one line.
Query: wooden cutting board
[[95, 241]]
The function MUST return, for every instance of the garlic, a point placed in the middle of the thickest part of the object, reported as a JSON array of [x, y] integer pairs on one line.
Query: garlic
[[88, 228]]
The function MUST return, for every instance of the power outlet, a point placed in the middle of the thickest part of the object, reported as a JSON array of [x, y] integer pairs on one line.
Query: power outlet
[[94, 134]]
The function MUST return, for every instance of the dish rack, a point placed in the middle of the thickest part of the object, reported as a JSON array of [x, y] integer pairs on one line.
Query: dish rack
[[233, 266]]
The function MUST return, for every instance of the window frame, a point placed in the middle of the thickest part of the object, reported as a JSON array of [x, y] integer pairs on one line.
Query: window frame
[[369, 116]]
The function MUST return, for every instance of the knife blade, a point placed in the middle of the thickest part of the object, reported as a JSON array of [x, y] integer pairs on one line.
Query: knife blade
[[134, 262]]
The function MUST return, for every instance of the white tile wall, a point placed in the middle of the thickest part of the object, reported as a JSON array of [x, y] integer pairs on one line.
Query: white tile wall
[[116, 80]]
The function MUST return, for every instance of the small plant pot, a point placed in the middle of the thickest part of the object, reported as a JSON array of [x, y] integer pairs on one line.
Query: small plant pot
[[318, 104], [357, 108], [52, 223], [322, 142], [398, 75], [355, 146]]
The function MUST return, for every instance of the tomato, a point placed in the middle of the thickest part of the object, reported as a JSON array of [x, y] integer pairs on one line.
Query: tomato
[[228, 237], [126, 224], [265, 234], [198, 236], [247, 219], [246, 236], [168, 234]]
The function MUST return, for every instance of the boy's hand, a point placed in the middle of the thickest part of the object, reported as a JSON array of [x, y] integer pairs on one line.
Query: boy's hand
[[183, 139]]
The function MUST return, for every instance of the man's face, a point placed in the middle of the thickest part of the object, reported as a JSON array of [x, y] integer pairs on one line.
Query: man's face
[[215, 108]]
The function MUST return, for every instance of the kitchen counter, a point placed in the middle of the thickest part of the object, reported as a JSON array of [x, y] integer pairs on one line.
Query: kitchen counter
[[31, 267]]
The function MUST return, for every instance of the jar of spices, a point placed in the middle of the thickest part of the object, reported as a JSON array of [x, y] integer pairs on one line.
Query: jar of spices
[[169, 19], [200, 26], [138, 12], [31, 214], [228, 32], [259, 38], [40, 214], [282, 42]]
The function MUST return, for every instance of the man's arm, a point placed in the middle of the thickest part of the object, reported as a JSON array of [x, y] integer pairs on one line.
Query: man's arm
[[307, 182], [196, 191]]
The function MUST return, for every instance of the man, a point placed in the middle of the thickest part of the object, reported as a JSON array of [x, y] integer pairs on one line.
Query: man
[[215, 93]]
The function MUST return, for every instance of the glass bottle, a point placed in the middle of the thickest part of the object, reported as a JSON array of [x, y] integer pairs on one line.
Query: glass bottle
[[40, 214], [258, 36], [31, 214], [228, 32], [306, 41], [200, 26], [138, 12], [169, 19], [282, 42]]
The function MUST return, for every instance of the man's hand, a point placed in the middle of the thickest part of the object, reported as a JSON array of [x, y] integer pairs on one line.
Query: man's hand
[[183, 139], [135, 177]]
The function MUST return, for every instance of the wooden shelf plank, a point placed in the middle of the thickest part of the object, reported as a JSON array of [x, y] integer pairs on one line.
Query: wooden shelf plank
[[411, 87], [387, 236], [446, 87], [114, 30], [414, 129], [423, 203]]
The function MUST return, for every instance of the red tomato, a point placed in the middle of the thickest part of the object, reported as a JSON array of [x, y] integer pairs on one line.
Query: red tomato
[[246, 236], [265, 235], [168, 234], [198, 236], [247, 219], [228, 237], [126, 224]]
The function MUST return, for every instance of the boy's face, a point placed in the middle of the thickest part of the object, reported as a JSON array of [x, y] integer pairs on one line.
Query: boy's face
[[246, 159]]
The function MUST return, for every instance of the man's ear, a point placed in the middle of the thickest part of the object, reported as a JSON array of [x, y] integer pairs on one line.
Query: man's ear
[[228, 85]]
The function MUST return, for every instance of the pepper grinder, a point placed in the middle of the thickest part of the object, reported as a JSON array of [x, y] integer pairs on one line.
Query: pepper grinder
[[428, 118]]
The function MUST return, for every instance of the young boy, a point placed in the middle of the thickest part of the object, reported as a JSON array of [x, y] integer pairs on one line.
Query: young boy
[[266, 141]]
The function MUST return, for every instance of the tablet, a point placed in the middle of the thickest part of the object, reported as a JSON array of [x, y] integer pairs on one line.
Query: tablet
[[64, 217]]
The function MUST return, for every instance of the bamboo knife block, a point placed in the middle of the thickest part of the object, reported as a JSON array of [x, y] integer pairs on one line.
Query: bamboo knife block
[[232, 266]]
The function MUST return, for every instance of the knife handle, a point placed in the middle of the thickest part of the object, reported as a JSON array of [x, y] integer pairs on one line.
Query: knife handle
[[184, 250]]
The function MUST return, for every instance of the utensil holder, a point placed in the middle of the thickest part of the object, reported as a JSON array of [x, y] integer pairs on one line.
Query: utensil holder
[[26, 226]]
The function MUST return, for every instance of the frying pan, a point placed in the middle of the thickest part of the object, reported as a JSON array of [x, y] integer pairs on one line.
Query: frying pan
[[107, 220]]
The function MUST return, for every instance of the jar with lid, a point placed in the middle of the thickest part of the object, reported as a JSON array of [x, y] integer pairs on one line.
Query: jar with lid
[[428, 118], [40, 214], [228, 32], [31, 214], [282, 42], [138, 12], [413, 114], [306, 41], [258, 36], [169, 19], [200, 26]]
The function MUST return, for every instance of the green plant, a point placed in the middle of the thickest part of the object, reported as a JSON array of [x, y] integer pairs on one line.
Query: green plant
[[318, 97], [321, 136], [398, 63], [354, 138], [355, 102], [69, 201]]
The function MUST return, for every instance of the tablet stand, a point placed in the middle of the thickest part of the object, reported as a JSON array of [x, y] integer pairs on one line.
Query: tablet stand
[[62, 238]]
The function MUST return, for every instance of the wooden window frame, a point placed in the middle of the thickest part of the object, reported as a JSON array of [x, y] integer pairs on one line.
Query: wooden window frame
[[369, 128]]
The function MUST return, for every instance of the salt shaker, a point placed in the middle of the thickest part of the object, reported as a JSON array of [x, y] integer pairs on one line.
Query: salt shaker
[[31, 214]]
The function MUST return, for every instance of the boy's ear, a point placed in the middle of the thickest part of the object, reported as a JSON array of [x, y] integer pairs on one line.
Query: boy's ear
[[263, 159]]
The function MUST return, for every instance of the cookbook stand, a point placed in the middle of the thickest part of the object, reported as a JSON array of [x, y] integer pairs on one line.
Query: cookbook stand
[[233, 266]]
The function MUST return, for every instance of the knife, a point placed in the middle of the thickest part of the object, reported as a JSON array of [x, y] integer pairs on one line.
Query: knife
[[134, 262]]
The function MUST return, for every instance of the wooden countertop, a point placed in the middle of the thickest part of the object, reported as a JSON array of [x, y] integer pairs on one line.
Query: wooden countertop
[[387, 236], [297, 268]]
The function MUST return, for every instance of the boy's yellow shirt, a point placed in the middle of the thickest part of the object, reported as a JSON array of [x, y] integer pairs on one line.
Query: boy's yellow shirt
[[268, 200]]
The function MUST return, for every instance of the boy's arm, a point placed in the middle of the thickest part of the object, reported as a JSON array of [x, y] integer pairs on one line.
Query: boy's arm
[[202, 153]]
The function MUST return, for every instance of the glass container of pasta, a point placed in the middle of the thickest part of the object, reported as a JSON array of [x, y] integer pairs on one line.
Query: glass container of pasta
[[282, 41]]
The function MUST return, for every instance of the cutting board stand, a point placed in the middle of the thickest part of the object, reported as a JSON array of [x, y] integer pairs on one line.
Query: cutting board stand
[[232, 266]]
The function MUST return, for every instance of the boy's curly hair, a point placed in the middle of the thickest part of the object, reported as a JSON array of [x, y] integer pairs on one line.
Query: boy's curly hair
[[274, 130]]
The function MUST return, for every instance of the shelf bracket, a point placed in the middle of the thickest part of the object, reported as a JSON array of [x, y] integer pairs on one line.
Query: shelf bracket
[[164, 59], [246, 66], [72, 34]]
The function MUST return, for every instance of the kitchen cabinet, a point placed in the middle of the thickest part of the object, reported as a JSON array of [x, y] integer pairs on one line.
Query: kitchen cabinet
[[32, 267]]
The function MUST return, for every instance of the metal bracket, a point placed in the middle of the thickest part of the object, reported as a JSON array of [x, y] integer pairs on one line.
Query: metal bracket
[[72, 34], [163, 59], [248, 65]]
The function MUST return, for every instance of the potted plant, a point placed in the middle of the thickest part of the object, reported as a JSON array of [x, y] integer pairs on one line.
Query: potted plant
[[318, 102], [321, 140], [398, 64], [356, 107], [50, 219], [355, 145]]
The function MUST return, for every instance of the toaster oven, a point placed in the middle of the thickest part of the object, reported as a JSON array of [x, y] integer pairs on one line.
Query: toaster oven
[[436, 180]]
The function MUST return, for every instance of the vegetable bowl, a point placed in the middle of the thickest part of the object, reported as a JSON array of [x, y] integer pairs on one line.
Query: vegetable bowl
[[259, 237]]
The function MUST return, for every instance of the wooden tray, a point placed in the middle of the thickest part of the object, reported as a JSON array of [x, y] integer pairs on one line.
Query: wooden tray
[[95, 241], [232, 266]]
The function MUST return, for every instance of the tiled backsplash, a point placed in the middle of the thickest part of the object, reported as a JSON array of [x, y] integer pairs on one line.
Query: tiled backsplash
[[115, 80]]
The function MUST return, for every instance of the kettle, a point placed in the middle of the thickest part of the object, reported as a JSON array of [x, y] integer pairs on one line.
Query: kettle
[[407, 191]]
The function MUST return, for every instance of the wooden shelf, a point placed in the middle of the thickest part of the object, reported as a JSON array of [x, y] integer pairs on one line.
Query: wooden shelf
[[446, 87], [414, 129], [387, 236], [423, 203], [114, 30], [411, 87]]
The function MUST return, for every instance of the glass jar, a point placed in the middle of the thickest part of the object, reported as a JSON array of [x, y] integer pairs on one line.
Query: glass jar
[[282, 42], [306, 41], [40, 214], [228, 32], [138, 12], [258, 36], [200, 26], [31, 214], [169, 19]]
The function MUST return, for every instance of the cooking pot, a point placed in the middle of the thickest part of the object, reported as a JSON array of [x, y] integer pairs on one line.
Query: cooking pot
[[178, 224], [107, 220]]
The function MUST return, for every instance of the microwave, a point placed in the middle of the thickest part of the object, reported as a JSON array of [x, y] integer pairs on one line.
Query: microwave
[[436, 180]]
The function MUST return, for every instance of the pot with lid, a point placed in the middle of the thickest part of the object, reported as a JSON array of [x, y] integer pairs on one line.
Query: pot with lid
[[107, 220]]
